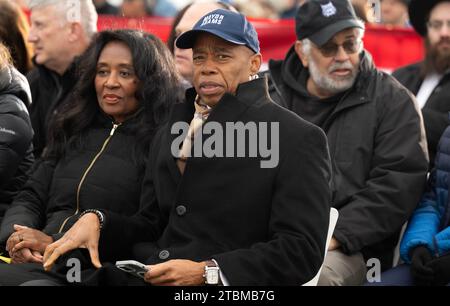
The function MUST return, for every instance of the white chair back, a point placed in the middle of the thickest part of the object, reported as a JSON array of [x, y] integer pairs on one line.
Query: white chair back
[[334, 215]]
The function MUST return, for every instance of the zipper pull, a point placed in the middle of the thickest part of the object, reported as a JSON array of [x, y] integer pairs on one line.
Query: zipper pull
[[115, 126]]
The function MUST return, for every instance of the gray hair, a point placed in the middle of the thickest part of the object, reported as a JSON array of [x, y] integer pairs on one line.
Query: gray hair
[[82, 11]]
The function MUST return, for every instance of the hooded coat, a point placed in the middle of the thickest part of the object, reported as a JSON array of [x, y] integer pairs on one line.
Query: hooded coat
[[378, 150], [16, 134]]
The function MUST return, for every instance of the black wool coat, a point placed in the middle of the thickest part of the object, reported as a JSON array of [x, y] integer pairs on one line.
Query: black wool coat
[[264, 226], [436, 110]]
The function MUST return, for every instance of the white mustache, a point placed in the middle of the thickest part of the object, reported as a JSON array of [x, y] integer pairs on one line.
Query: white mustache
[[339, 66]]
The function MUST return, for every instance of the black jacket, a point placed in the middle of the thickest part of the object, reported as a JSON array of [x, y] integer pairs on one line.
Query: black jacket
[[49, 198], [436, 110], [378, 148], [48, 90], [16, 134], [263, 226]]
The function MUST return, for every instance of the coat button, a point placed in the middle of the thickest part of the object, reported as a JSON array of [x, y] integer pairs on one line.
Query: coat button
[[164, 254], [181, 210]]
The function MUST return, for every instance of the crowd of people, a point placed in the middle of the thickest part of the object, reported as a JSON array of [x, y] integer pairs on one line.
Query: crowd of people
[[111, 148], [391, 13]]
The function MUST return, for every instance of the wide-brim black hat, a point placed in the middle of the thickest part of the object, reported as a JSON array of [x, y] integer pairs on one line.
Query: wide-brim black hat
[[419, 11]]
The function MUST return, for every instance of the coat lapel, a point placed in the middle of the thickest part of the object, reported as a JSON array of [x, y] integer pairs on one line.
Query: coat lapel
[[229, 109], [181, 112]]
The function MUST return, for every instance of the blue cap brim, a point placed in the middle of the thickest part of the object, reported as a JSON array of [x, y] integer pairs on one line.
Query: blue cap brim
[[187, 39]]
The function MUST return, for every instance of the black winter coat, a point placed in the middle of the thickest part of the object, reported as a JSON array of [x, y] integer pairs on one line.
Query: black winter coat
[[436, 110], [57, 192], [263, 226], [48, 90], [16, 134], [378, 148]]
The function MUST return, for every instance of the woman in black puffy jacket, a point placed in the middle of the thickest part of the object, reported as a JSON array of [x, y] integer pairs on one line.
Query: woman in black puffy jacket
[[98, 145], [16, 133]]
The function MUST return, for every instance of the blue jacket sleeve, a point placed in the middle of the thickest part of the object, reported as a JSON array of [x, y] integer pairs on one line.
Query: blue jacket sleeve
[[424, 223]]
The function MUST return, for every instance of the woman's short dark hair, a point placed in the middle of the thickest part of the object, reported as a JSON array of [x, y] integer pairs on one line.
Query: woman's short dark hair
[[14, 30], [159, 88], [180, 14]]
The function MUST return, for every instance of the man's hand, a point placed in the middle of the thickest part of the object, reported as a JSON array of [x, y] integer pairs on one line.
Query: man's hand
[[25, 255], [334, 244], [85, 233], [31, 239], [177, 272]]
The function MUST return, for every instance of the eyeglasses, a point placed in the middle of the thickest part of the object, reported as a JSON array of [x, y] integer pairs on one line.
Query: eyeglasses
[[330, 49], [436, 25]]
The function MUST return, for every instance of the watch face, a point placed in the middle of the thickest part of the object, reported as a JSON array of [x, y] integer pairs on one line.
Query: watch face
[[212, 276]]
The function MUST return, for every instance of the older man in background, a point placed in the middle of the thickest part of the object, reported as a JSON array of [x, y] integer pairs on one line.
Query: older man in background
[[61, 30]]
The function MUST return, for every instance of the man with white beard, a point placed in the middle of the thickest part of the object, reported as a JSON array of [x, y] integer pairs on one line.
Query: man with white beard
[[374, 129], [429, 79]]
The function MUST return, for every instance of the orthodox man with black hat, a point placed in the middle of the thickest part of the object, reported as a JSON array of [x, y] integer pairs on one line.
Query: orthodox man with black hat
[[217, 207], [374, 129], [429, 79]]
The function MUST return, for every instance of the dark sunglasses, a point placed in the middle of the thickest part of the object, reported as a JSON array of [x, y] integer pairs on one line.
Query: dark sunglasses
[[330, 49]]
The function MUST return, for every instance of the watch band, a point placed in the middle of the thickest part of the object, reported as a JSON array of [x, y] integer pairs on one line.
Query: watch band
[[212, 264], [100, 216]]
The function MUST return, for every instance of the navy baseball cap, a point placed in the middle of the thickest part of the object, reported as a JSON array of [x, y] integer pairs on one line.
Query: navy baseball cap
[[320, 20], [230, 26]]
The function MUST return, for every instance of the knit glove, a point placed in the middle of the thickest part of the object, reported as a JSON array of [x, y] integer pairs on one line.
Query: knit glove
[[441, 270], [422, 273]]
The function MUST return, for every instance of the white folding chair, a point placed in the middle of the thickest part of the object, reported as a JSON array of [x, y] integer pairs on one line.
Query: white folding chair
[[334, 215]]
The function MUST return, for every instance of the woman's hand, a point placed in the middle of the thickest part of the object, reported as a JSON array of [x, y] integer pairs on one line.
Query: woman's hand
[[85, 233]]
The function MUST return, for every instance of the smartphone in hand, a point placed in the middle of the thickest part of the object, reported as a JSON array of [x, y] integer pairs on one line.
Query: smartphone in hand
[[133, 267]]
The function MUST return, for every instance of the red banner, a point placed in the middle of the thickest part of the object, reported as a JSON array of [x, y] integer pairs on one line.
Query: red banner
[[390, 48]]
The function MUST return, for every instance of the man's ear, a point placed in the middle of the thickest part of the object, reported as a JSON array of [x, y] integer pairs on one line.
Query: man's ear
[[255, 63], [74, 31], [299, 50]]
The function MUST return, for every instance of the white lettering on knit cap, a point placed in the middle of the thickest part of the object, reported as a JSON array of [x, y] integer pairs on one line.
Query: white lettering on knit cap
[[212, 19], [328, 9]]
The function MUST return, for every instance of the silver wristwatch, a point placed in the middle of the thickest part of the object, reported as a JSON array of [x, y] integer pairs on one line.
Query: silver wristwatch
[[212, 274]]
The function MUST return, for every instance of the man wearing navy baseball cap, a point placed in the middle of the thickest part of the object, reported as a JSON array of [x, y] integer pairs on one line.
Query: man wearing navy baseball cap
[[227, 217], [222, 29], [230, 26], [374, 130]]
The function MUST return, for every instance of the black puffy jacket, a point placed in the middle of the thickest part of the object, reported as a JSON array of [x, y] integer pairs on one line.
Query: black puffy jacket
[[16, 134], [88, 177]]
